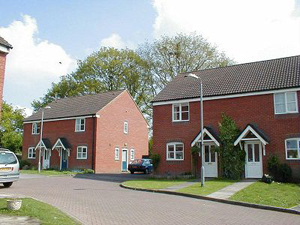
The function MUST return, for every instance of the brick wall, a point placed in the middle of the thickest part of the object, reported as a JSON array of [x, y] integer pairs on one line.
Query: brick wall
[[244, 110], [63, 128], [2, 73], [110, 134]]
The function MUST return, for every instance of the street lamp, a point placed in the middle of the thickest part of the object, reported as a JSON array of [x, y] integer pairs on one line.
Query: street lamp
[[41, 136], [201, 128]]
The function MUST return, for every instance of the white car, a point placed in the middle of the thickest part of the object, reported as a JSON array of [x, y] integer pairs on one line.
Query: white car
[[9, 167]]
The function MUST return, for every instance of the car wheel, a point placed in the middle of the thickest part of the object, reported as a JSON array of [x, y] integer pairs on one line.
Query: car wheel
[[132, 172], [146, 171], [7, 184]]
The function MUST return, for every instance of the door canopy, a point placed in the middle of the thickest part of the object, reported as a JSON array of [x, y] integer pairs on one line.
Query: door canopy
[[61, 143], [43, 144], [252, 133], [209, 135]]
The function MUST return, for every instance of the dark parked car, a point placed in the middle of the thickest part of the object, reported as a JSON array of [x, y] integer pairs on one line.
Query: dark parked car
[[141, 165]]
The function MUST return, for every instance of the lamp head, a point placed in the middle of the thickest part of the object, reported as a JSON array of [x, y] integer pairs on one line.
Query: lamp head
[[192, 75]]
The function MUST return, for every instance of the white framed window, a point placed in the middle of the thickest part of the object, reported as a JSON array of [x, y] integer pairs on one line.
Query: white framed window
[[117, 153], [31, 153], [292, 148], [180, 112], [132, 154], [80, 125], [125, 127], [285, 102], [36, 127], [175, 151], [81, 152]]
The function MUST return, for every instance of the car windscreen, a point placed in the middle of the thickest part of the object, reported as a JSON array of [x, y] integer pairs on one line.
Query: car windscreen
[[7, 158], [137, 161]]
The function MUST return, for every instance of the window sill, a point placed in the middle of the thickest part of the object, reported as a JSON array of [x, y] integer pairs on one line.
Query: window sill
[[174, 160], [292, 158], [81, 158], [79, 131]]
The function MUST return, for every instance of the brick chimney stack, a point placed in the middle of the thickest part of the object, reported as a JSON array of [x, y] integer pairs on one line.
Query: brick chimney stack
[[4, 50]]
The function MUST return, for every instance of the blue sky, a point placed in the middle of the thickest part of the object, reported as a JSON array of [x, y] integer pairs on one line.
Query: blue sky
[[47, 32]]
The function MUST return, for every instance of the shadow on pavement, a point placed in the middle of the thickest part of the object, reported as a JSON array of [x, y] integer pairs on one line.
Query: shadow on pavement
[[113, 177]]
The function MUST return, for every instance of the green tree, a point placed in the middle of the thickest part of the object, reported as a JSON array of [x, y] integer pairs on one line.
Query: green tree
[[105, 70], [232, 158], [170, 56], [11, 131]]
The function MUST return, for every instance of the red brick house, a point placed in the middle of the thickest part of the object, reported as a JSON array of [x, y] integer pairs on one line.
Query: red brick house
[[263, 99], [103, 132], [4, 50]]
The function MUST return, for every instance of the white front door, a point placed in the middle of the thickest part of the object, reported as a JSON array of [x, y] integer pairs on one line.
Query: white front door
[[210, 161], [253, 167], [46, 159]]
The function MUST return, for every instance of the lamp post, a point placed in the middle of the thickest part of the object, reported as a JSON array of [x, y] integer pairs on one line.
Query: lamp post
[[41, 137], [201, 127]]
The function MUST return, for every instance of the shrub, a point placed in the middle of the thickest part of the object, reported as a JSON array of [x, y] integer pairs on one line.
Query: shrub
[[155, 160], [273, 165], [284, 173], [280, 172], [88, 171], [25, 164], [232, 158]]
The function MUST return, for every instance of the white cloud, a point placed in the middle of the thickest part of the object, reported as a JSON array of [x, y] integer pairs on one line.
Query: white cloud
[[28, 111], [33, 64], [245, 30], [114, 40]]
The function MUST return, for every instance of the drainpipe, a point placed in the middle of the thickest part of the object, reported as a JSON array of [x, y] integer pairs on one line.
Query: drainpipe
[[93, 143]]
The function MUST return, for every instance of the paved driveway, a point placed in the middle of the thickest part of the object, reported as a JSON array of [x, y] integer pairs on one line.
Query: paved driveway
[[98, 199]]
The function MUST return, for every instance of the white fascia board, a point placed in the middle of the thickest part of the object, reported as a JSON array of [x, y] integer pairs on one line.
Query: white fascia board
[[225, 96], [59, 119], [41, 143]]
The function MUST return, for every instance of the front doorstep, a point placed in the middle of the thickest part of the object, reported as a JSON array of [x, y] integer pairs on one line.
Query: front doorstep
[[245, 204]]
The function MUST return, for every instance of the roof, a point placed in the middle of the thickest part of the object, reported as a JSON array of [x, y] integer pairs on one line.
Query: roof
[[75, 106], [265, 75], [5, 43]]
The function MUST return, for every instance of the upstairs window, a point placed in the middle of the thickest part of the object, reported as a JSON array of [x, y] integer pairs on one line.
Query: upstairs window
[[285, 103], [180, 112], [36, 128], [292, 148], [31, 153], [80, 125], [175, 151], [125, 127], [81, 152]]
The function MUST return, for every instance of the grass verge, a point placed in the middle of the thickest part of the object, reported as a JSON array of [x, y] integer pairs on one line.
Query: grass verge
[[209, 187], [153, 183], [283, 195], [48, 172], [47, 214]]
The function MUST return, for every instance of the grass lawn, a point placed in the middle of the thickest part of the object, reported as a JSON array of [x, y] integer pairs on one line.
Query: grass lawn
[[153, 183], [209, 187], [47, 214], [48, 172], [283, 195]]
